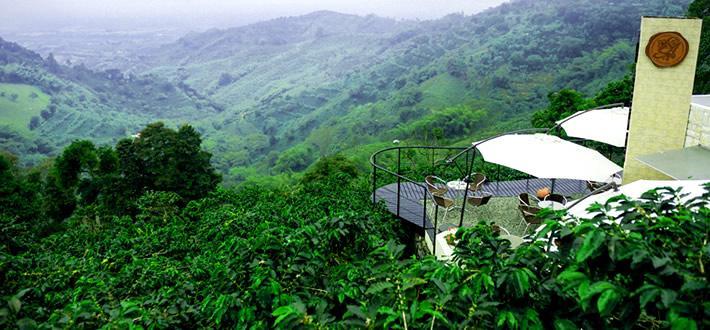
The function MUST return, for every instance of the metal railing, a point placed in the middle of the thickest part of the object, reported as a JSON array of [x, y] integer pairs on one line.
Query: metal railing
[[465, 173], [397, 174]]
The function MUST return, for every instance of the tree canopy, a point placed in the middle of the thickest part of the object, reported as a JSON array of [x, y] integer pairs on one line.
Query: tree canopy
[[701, 9]]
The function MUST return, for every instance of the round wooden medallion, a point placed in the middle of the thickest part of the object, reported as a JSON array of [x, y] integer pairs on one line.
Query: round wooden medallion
[[667, 49]]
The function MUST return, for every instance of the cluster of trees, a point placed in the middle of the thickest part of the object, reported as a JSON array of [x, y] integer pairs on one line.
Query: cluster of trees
[[448, 123], [103, 181], [701, 9], [317, 254], [566, 102]]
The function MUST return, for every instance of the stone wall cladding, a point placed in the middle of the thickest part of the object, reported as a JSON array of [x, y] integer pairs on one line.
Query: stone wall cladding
[[698, 126]]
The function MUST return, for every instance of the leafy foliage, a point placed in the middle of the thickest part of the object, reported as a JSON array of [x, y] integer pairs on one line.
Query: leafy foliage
[[336, 166], [273, 97], [160, 159], [317, 254], [562, 104], [701, 9]]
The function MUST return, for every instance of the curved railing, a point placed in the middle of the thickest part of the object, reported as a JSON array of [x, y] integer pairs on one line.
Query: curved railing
[[467, 154], [397, 174]]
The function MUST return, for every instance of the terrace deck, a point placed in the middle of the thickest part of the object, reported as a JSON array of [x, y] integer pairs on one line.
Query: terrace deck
[[411, 208]]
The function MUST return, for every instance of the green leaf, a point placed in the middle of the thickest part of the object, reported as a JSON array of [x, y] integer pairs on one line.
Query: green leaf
[[595, 289], [282, 313], [571, 279], [379, 287], [532, 320], [564, 324], [592, 242], [571, 276], [682, 323], [508, 318], [648, 296], [693, 285], [412, 282], [660, 262], [15, 304], [520, 282], [668, 297], [355, 310], [607, 301]]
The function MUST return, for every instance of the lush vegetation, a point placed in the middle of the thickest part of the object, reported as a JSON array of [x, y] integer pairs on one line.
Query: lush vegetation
[[317, 254], [46, 105], [273, 97], [136, 232], [701, 9]]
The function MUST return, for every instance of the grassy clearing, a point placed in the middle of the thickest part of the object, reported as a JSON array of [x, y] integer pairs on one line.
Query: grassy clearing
[[19, 103], [442, 91], [502, 211]]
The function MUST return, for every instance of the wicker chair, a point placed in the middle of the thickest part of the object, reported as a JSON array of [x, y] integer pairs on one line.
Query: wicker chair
[[477, 180], [446, 203], [529, 216], [556, 198], [479, 200], [525, 198], [436, 189]]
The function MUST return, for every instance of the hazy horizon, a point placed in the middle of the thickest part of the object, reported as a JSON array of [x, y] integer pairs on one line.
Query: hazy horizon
[[43, 15]]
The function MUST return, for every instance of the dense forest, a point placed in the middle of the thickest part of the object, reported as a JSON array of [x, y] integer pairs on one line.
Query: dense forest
[[127, 222]]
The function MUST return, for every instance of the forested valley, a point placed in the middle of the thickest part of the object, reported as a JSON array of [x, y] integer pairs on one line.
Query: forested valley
[[273, 97], [221, 181]]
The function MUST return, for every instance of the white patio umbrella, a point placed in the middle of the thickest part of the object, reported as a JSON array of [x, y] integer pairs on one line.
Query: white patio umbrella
[[634, 190], [604, 125], [549, 157]]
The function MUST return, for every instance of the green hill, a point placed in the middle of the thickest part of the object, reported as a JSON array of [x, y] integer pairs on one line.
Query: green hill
[[19, 103], [71, 103], [272, 97]]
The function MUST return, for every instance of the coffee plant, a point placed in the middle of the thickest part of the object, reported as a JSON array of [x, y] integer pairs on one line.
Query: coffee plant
[[318, 254]]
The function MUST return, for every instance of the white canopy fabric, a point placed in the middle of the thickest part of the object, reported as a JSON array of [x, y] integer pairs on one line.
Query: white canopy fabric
[[634, 190], [604, 125], [547, 156]]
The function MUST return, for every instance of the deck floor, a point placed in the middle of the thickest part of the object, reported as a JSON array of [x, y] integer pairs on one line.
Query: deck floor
[[411, 209]]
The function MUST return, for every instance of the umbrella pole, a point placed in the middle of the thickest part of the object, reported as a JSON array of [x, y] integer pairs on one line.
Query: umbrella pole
[[498, 180], [552, 188]]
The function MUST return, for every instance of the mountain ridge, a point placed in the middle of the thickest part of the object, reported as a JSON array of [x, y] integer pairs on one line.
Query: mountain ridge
[[328, 83]]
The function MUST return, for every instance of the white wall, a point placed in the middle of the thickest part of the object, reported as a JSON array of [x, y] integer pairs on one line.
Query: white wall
[[698, 132]]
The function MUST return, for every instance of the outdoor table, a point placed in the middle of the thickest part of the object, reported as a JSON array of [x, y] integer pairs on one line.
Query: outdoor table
[[515, 241], [456, 185], [552, 205]]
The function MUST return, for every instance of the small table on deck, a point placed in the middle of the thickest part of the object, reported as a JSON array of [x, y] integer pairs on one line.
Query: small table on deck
[[552, 205], [456, 185]]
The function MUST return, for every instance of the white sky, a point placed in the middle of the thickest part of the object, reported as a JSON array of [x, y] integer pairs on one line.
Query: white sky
[[202, 14]]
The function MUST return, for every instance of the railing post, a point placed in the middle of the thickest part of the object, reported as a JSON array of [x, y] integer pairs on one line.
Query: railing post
[[498, 180], [467, 162], [399, 177], [424, 214], [436, 226], [374, 179]]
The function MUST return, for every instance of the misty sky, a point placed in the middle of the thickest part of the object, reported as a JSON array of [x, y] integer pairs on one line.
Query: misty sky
[[203, 14]]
